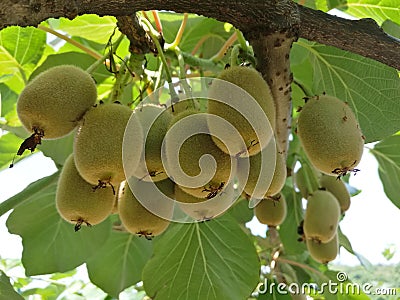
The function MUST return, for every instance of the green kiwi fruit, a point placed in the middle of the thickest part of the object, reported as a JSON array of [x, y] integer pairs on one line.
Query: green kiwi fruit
[[330, 135], [76, 201], [300, 181], [201, 209], [322, 216], [154, 120], [323, 252], [271, 211], [267, 167], [98, 144], [251, 82], [54, 101], [338, 189], [136, 218], [189, 159]]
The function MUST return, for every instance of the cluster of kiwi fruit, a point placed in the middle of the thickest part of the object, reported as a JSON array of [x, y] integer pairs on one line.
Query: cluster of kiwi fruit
[[97, 177], [333, 142]]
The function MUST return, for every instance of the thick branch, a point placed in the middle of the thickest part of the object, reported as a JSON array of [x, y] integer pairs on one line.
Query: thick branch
[[363, 37]]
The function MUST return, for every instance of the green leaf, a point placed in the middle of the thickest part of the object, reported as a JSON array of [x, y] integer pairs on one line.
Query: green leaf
[[387, 153], [212, 31], [241, 212], [8, 101], [50, 243], [91, 27], [288, 229], [209, 260], [81, 60], [123, 256], [20, 49], [6, 289], [59, 149], [372, 89], [379, 10]]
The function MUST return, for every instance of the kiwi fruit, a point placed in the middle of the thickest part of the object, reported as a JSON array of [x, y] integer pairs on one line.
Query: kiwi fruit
[[76, 201], [236, 104], [323, 252], [154, 120], [191, 155], [52, 104], [330, 135], [98, 144], [338, 189], [300, 181], [202, 209], [267, 173], [271, 211], [322, 216], [136, 218]]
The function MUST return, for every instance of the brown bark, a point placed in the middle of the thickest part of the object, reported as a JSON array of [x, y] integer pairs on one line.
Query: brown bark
[[363, 37]]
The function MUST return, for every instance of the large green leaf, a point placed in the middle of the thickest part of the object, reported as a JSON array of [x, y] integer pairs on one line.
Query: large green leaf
[[6, 289], [50, 243], [82, 60], [387, 153], [371, 88], [123, 257], [288, 229], [91, 27], [379, 10], [8, 100], [209, 260], [20, 49]]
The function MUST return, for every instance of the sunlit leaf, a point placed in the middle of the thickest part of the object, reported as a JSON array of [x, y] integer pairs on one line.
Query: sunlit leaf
[[119, 263], [20, 49], [91, 27], [209, 260], [379, 10]]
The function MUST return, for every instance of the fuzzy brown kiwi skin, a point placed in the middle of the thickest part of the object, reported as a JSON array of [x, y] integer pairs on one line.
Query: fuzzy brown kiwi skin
[[330, 135], [55, 100], [76, 201], [203, 209], [323, 252], [252, 82], [151, 166], [338, 189], [192, 149], [98, 144], [137, 219], [322, 216], [271, 211]]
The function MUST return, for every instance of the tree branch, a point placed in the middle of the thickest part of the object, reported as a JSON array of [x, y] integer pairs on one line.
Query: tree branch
[[363, 37]]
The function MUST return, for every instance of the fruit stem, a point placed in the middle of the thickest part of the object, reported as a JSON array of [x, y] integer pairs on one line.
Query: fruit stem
[[179, 35], [235, 55], [182, 72], [160, 50], [242, 41], [221, 53], [101, 60], [71, 41], [157, 21]]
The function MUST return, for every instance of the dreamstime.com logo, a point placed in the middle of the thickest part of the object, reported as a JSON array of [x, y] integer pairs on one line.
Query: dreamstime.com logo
[[341, 286], [216, 175]]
